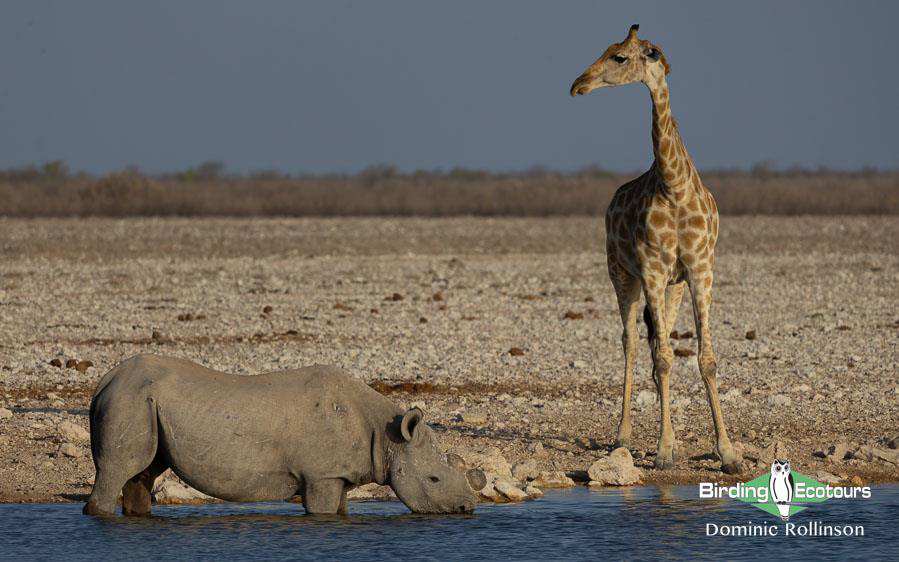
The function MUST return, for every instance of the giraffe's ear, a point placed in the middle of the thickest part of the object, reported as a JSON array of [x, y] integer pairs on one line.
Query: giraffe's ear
[[654, 53]]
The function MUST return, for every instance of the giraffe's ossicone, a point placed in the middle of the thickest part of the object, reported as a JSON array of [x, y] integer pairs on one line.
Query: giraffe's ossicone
[[661, 230]]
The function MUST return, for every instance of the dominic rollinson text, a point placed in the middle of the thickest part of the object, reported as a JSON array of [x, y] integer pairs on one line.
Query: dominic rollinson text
[[804, 529]]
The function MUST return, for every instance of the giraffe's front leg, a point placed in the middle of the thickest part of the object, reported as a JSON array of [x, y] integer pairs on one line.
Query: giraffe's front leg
[[627, 290], [662, 357], [701, 291]]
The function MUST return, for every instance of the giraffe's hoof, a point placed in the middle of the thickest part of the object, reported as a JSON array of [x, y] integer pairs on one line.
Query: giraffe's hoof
[[731, 468], [621, 442], [663, 463]]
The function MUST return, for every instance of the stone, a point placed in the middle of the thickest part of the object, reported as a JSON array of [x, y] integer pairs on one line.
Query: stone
[[525, 470], [507, 488], [371, 491], [474, 418], [553, 479], [776, 450], [533, 491], [490, 460], [645, 398], [868, 453], [538, 451], [83, 366], [169, 489], [838, 452], [617, 469], [5, 414], [826, 477], [69, 450], [894, 443], [73, 432], [780, 400]]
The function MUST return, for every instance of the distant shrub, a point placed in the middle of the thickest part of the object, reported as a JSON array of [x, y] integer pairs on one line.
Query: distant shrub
[[50, 190]]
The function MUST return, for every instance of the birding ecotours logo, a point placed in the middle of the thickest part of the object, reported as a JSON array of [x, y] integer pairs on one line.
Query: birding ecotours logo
[[782, 492]]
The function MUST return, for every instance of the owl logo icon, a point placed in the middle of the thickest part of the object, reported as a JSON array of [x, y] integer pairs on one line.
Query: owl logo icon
[[782, 487]]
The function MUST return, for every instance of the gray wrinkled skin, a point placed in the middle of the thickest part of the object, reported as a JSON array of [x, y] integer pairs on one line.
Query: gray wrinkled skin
[[316, 431]]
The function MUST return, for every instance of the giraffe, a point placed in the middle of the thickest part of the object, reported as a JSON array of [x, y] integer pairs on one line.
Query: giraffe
[[661, 230]]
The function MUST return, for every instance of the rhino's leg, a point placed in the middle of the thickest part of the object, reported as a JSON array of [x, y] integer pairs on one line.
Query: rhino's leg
[[123, 445], [136, 491], [324, 496]]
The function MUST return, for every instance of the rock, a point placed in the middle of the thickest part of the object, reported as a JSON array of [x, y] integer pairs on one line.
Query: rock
[[5, 414], [838, 452], [552, 479], [56, 363], [776, 450], [71, 363], [857, 481], [490, 460], [780, 400], [538, 451], [371, 491], [826, 477], [894, 443], [505, 487], [868, 453], [267, 309], [572, 315], [533, 491], [169, 489], [69, 450], [73, 432], [750, 335], [617, 469], [645, 398], [525, 470], [474, 418], [516, 351]]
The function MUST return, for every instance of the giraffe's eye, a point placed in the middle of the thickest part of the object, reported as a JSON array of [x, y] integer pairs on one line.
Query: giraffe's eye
[[619, 59]]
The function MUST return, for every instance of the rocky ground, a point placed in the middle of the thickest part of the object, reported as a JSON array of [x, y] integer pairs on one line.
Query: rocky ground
[[505, 331]]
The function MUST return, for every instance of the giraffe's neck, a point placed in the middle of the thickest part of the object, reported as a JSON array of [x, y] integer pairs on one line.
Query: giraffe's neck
[[671, 158]]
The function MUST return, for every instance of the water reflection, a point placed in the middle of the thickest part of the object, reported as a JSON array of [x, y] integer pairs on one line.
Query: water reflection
[[633, 523]]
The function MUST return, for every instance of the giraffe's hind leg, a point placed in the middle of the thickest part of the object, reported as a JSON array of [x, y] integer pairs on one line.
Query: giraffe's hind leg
[[654, 287], [627, 289], [701, 293]]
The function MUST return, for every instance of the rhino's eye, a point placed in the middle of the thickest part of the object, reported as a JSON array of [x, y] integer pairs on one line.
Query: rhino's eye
[[434, 479]]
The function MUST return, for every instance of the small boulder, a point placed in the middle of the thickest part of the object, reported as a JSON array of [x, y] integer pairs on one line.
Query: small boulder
[[645, 398], [490, 460], [69, 450], [507, 488], [474, 418], [553, 479], [533, 491], [73, 432], [838, 452], [5, 414], [169, 489], [525, 470], [776, 450], [617, 469], [826, 477], [780, 400]]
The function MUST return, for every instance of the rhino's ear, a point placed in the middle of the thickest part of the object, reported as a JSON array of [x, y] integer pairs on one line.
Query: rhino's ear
[[410, 422]]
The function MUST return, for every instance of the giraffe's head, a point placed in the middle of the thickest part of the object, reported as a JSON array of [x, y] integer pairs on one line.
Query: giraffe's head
[[632, 60]]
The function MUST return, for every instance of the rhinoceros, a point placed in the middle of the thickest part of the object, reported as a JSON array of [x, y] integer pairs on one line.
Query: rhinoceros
[[315, 431]]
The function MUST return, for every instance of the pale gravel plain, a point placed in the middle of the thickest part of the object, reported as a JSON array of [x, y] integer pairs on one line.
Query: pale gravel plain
[[819, 293]]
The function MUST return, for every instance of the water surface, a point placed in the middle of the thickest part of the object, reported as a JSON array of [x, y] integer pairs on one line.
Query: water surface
[[641, 523]]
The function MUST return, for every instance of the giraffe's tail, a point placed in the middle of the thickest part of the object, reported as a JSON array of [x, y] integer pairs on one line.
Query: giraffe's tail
[[650, 333], [650, 327]]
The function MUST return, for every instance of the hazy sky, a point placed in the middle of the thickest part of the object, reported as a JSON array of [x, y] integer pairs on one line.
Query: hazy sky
[[335, 85]]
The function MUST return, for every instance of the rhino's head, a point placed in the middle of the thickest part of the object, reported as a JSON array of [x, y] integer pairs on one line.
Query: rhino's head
[[426, 480]]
